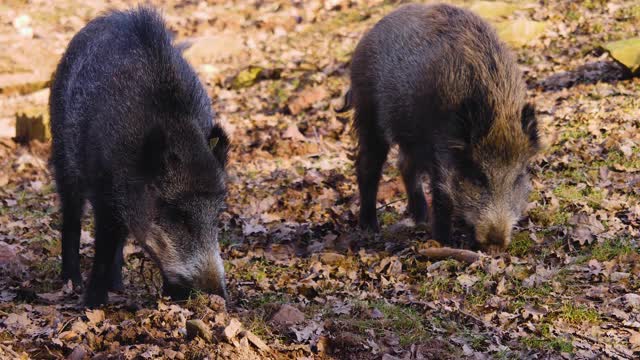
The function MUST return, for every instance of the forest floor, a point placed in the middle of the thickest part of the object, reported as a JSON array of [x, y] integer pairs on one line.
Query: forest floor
[[304, 282]]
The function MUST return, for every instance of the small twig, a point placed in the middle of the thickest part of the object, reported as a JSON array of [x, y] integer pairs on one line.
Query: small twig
[[389, 203], [443, 253], [64, 326], [10, 351]]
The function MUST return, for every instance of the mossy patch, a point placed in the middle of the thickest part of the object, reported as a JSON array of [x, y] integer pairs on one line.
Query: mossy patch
[[521, 244], [610, 249], [579, 314]]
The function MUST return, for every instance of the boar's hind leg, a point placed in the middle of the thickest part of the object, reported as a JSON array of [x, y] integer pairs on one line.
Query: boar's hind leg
[[372, 153], [412, 179], [72, 201], [111, 232]]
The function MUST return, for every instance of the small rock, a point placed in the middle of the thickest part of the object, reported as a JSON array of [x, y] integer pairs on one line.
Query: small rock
[[197, 327], [287, 315], [232, 329]]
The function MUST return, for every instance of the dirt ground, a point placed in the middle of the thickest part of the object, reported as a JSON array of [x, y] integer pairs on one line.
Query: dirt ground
[[304, 283]]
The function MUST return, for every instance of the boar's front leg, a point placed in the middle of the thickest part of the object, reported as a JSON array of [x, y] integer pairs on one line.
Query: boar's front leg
[[442, 210], [413, 184], [116, 269], [111, 232]]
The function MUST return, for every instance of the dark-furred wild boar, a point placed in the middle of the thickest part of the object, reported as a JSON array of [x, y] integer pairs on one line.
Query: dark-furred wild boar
[[437, 81], [133, 132]]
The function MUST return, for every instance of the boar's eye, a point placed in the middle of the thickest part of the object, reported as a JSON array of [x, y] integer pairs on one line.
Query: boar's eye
[[180, 217], [477, 177], [176, 215], [471, 171]]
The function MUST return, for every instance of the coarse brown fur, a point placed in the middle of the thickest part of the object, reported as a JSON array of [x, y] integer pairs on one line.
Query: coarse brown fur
[[436, 80]]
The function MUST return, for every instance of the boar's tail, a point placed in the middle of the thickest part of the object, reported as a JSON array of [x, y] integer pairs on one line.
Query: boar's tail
[[347, 102]]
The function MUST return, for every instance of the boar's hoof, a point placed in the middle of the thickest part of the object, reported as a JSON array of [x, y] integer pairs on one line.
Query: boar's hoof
[[370, 226], [95, 298], [75, 278]]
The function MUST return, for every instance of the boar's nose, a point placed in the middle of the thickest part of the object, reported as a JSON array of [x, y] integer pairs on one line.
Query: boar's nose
[[212, 281], [498, 238]]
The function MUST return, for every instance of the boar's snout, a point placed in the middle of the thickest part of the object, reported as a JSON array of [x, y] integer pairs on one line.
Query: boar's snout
[[211, 280], [202, 272], [493, 232]]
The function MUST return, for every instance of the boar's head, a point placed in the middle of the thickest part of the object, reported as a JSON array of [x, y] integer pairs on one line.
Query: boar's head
[[185, 191], [487, 178]]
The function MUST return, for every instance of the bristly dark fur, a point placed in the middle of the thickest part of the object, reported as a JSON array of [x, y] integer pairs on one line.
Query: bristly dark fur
[[437, 81], [130, 123]]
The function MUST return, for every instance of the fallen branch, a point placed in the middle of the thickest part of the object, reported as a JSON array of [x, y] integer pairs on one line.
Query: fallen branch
[[442, 253], [9, 351]]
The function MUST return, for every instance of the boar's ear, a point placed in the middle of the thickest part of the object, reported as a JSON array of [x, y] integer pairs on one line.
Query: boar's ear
[[530, 125], [152, 161], [219, 144]]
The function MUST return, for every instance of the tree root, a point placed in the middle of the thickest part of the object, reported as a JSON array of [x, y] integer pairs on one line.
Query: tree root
[[442, 253]]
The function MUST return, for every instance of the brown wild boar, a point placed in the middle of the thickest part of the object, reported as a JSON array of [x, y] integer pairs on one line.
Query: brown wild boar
[[437, 81]]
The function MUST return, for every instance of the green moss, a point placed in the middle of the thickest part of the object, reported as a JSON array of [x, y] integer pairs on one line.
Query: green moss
[[569, 133], [434, 288], [535, 196], [389, 217], [257, 270], [547, 343], [402, 320], [50, 267], [616, 157], [579, 314], [570, 193], [521, 244], [610, 249], [543, 216]]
